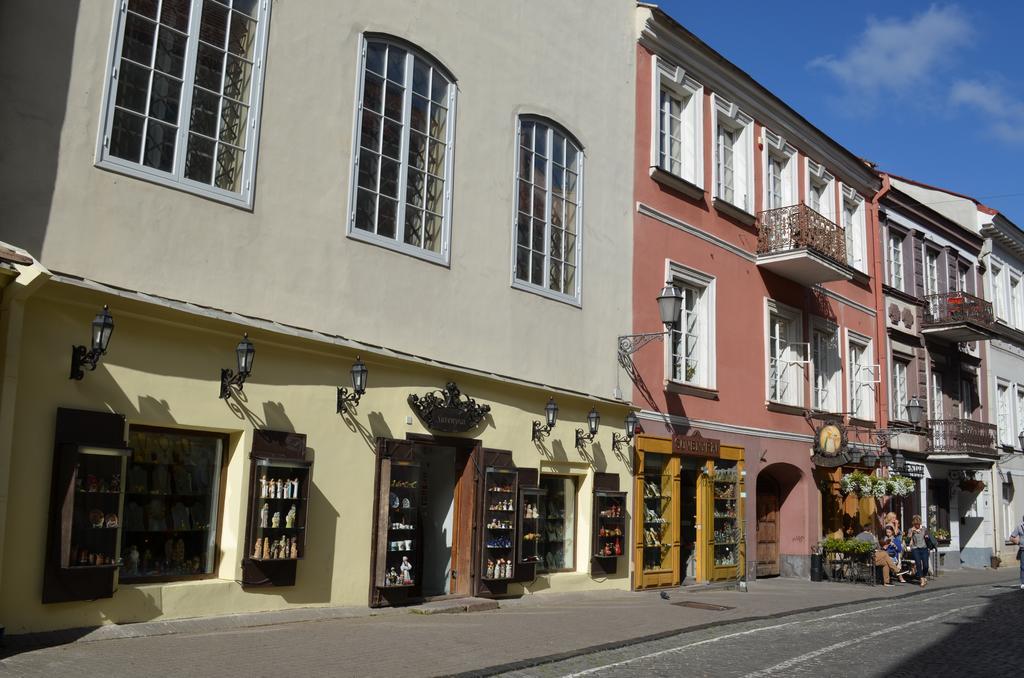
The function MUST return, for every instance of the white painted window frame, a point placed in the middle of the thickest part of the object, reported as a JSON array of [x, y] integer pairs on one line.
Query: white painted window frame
[[833, 362], [176, 178], [932, 279], [575, 299], [856, 242], [899, 398], [894, 259], [1003, 412], [396, 244], [673, 79], [707, 284], [816, 173], [997, 286], [1015, 297], [728, 115], [794, 354], [862, 377], [775, 147], [1018, 413], [936, 401]]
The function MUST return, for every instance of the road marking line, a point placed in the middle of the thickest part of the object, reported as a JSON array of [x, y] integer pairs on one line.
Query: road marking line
[[790, 663], [587, 672]]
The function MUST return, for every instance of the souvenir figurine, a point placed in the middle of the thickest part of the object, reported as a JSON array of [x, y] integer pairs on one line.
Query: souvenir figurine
[[393, 500], [392, 577], [257, 551], [406, 503], [133, 559], [618, 547], [294, 550], [110, 520], [266, 548], [263, 487], [283, 547], [490, 569], [91, 484], [277, 488], [406, 568], [289, 519], [96, 518], [115, 483], [264, 515], [275, 520]]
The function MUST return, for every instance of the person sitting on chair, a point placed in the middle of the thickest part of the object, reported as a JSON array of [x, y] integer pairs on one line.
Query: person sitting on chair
[[893, 545], [881, 557]]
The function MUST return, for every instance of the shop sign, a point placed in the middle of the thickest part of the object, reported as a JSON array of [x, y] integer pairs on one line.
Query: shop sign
[[696, 445], [447, 410], [912, 470], [829, 440]]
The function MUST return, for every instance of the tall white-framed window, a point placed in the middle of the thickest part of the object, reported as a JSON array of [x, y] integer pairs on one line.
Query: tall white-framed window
[[1003, 423], [862, 376], [931, 271], [1016, 311], [691, 351], [898, 404], [825, 362], [1018, 413], [854, 229], [821, 186], [786, 354], [549, 217], [402, 165], [935, 400], [967, 388], [998, 295], [182, 101], [734, 169], [962, 272], [894, 254], [678, 123], [780, 161]]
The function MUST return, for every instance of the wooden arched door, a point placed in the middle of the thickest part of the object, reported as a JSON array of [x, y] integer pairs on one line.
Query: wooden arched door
[[768, 499]]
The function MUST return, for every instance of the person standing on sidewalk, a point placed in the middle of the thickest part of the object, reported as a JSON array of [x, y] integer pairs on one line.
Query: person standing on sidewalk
[[919, 549], [1017, 537]]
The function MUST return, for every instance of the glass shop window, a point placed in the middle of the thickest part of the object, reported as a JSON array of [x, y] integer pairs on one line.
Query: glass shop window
[[172, 501], [557, 547]]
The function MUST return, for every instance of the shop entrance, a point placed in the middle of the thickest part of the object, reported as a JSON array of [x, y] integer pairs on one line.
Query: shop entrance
[[426, 500], [767, 526]]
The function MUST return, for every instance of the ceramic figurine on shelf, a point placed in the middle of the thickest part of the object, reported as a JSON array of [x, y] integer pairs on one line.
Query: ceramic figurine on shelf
[[490, 569], [618, 547], [406, 568], [293, 551], [283, 546], [110, 520], [275, 520], [91, 483], [277, 488], [295, 488], [264, 515], [263, 487], [115, 483], [266, 548], [289, 519], [257, 550], [133, 559]]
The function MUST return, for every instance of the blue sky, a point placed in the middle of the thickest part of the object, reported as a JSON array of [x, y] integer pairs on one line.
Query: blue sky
[[933, 92]]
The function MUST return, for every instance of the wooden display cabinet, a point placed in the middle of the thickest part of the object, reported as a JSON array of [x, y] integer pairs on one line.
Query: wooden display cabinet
[[656, 514], [610, 539], [531, 524], [278, 508], [399, 553], [722, 510], [499, 534]]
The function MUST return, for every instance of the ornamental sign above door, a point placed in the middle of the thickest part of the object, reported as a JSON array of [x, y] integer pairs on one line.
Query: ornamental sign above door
[[447, 410], [696, 444]]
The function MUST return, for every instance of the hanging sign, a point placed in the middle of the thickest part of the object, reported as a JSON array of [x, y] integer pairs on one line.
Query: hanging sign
[[696, 445], [447, 410]]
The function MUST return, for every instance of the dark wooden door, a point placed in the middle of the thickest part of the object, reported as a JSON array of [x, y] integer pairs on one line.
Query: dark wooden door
[[767, 527]]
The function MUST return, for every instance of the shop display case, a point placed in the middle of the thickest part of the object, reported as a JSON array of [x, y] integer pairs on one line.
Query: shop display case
[[277, 509], [499, 527], [610, 538], [727, 534], [91, 513], [657, 520], [531, 524], [400, 565]]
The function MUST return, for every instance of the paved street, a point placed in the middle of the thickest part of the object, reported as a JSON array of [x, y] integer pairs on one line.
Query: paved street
[[966, 632], [764, 629]]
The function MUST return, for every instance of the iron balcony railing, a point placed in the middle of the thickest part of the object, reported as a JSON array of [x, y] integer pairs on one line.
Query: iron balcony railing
[[956, 307], [797, 227], [961, 436]]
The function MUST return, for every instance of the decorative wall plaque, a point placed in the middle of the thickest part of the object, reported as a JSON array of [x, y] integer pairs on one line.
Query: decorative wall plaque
[[447, 410]]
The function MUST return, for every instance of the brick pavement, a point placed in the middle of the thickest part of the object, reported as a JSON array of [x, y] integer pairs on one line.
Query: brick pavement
[[404, 644]]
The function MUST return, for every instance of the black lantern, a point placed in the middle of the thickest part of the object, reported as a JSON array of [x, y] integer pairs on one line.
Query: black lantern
[[856, 453], [899, 462], [914, 411], [593, 421], [244, 354], [870, 458], [617, 440], [359, 374], [550, 416], [885, 459], [88, 358], [670, 303]]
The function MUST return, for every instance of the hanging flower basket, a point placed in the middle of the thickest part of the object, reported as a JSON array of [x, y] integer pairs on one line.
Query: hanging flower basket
[[971, 485]]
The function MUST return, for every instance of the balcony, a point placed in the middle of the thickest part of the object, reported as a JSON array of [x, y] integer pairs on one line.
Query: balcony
[[957, 317], [962, 437], [800, 244]]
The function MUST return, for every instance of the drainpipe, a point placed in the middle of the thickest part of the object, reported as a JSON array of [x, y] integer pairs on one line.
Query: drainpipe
[[882, 336], [29, 278]]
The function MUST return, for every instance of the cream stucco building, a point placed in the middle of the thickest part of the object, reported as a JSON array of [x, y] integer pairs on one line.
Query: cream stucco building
[[433, 188]]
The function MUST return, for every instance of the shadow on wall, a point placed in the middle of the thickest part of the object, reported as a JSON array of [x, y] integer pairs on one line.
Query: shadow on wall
[[35, 74]]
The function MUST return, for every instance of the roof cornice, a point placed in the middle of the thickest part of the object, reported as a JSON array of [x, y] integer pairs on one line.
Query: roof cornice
[[663, 35], [932, 220], [1006, 234]]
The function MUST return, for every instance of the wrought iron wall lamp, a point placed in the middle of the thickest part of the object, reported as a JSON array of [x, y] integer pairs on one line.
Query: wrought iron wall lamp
[[550, 416], [244, 353], [593, 421], [359, 373], [81, 357], [619, 441], [670, 304]]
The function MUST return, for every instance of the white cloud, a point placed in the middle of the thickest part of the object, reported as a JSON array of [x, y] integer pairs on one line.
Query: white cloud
[[1003, 113], [899, 55]]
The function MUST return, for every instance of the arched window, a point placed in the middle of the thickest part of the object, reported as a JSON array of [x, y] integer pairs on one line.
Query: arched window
[[549, 189], [401, 178]]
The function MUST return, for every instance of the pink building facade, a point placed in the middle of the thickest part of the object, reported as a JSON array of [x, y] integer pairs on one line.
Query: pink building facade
[[769, 229]]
